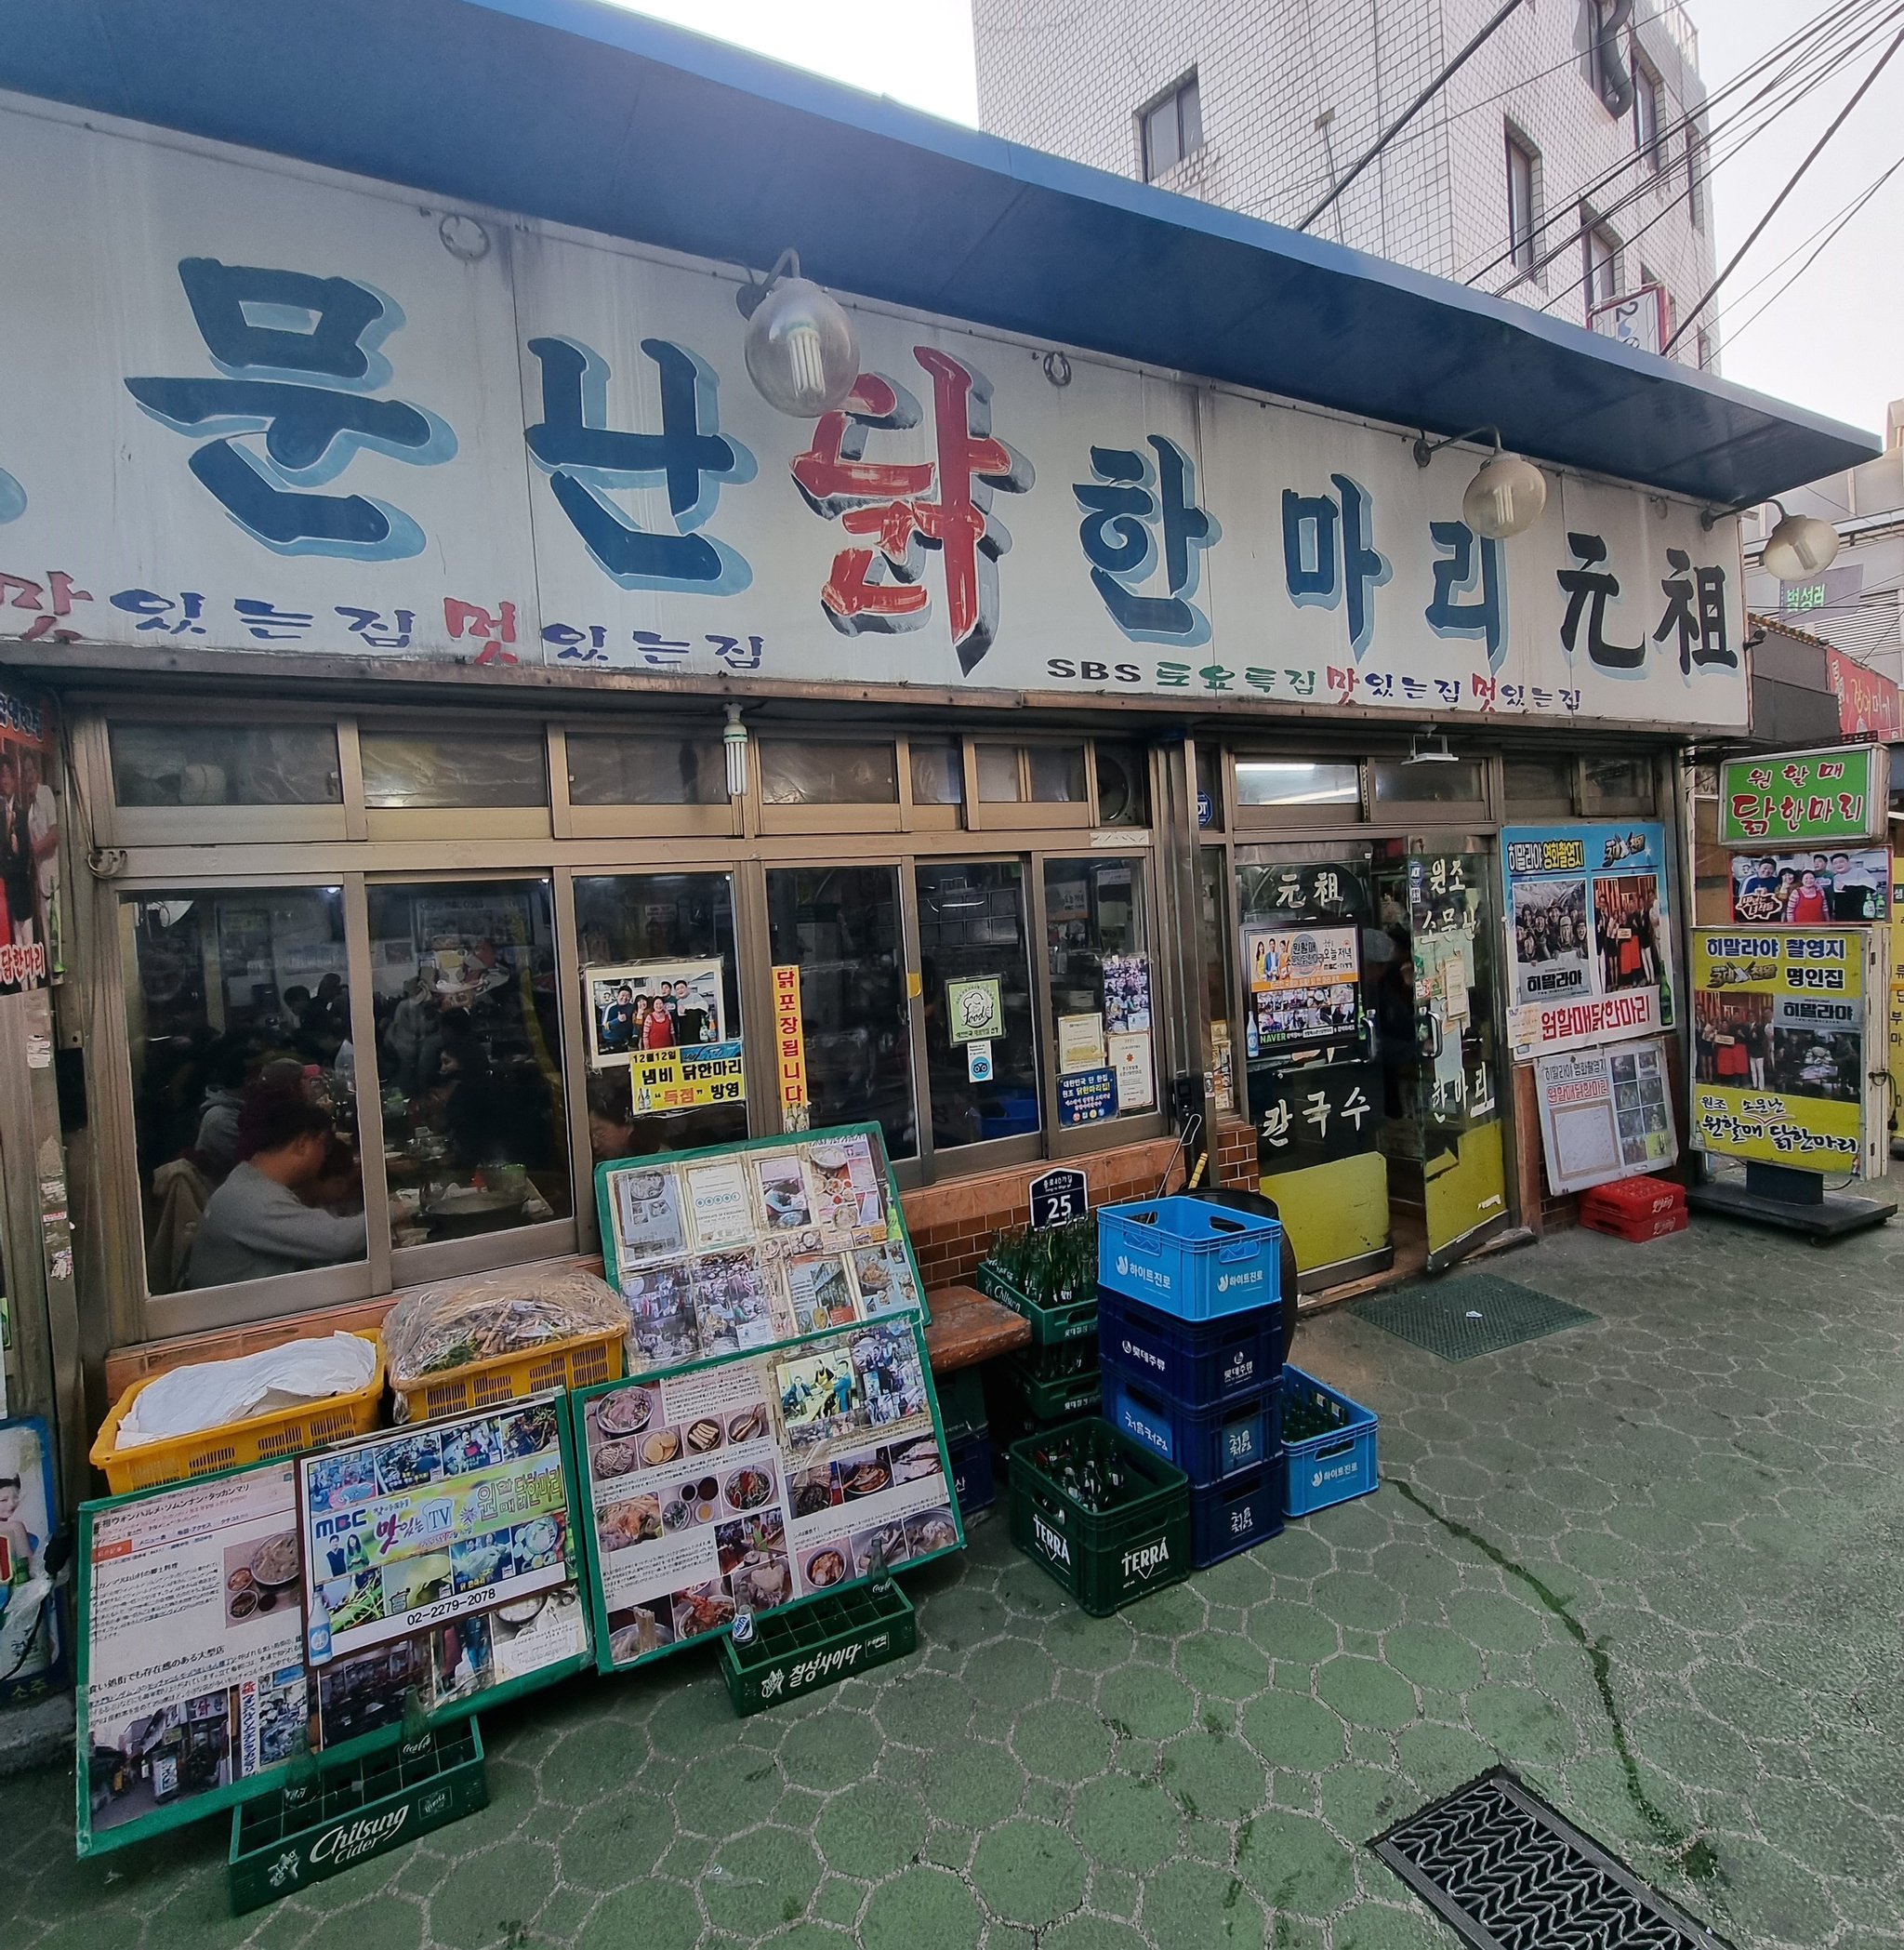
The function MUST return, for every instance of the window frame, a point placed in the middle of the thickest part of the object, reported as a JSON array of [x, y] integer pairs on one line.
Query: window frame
[[1648, 106], [1523, 225], [1595, 234], [1186, 87]]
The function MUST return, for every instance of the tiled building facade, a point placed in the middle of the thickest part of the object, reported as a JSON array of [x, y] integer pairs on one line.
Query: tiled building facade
[[1289, 97]]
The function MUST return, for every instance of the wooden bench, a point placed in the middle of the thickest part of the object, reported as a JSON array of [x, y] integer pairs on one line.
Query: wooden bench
[[967, 1329]]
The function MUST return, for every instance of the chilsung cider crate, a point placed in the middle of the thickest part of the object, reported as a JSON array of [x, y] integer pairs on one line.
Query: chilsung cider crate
[[1108, 1523], [1208, 1444], [1229, 1517], [1189, 1257]]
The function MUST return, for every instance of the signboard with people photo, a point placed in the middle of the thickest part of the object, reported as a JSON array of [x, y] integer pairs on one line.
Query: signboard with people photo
[[29, 847], [1810, 889], [667, 1021]]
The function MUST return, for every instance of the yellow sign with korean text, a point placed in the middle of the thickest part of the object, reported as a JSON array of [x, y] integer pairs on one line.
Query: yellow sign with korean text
[[789, 1038], [687, 1078]]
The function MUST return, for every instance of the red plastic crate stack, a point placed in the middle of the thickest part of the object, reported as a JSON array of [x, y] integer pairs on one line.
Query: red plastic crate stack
[[1635, 1208]]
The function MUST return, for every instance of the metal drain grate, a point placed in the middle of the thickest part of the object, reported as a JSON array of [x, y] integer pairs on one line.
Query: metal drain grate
[[1510, 1874], [1469, 1314]]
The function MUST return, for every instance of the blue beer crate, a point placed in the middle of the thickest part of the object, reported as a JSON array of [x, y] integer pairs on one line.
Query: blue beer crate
[[1198, 1361], [1228, 1517], [1208, 1444], [973, 1487], [1189, 1257], [1331, 1443]]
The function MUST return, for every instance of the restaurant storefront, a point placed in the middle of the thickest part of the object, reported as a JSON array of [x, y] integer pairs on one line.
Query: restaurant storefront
[[479, 708]]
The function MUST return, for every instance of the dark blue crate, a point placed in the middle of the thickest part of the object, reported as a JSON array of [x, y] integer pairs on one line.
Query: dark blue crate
[[1201, 1362], [972, 1485], [1339, 1462], [1189, 1257], [1228, 1517], [1207, 1444]]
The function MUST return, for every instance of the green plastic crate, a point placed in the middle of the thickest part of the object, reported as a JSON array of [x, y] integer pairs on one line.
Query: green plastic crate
[[1047, 1390], [961, 1402], [1069, 1321], [815, 1641], [363, 1809], [1105, 1558]]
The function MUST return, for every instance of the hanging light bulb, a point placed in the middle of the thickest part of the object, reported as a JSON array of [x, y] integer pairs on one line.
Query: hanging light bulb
[[801, 352], [733, 742], [1505, 498], [1800, 548]]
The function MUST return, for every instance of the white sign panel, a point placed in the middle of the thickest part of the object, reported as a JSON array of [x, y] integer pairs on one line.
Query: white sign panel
[[254, 408]]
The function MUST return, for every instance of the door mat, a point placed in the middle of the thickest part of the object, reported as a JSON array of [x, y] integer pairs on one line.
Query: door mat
[[1469, 1314], [1507, 1873]]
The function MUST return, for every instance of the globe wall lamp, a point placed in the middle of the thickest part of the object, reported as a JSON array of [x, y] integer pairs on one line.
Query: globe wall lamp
[[1505, 498], [801, 351]]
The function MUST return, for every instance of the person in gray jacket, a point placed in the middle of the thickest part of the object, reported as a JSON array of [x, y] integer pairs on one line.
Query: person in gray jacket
[[256, 1225]]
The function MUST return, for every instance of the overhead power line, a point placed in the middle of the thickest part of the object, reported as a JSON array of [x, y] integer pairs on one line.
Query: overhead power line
[[1778, 203]]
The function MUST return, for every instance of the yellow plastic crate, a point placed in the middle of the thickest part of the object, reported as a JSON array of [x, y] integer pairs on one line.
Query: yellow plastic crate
[[259, 1440], [578, 1363]]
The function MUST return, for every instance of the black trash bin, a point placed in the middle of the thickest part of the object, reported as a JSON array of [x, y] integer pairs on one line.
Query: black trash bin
[[1259, 1207]]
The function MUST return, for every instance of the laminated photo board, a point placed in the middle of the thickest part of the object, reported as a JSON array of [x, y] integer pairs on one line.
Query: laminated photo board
[[742, 1483], [1605, 1114], [32, 1637], [739, 1247]]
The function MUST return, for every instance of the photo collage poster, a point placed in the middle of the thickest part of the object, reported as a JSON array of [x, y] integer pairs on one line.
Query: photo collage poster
[[737, 1485], [740, 1248], [1590, 931], [32, 1631], [1304, 986], [1814, 887], [442, 1557], [1605, 1114]]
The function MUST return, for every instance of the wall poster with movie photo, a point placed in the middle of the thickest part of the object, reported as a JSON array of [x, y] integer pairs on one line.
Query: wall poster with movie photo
[[735, 1248], [1305, 986], [1590, 931], [1817, 888], [29, 887], [442, 1558], [737, 1485], [33, 1631], [193, 1683]]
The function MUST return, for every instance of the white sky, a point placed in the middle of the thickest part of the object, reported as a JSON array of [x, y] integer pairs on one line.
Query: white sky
[[1831, 342]]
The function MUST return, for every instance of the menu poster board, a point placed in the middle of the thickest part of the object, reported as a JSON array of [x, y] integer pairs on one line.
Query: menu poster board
[[1589, 934], [1781, 1017], [192, 1681], [739, 1485], [33, 1635], [739, 1247], [442, 1557], [1304, 986], [1605, 1114], [1822, 885]]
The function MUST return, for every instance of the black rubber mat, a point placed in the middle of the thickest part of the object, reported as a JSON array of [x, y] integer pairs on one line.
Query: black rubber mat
[[1508, 1873], [1466, 1314]]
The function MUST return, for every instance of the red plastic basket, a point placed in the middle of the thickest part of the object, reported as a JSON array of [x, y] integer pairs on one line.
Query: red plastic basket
[[1634, 1199], [1637, 1230]]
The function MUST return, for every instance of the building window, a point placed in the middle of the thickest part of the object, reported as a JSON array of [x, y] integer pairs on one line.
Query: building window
[[1171, 129], [1097, 943], [188, 764], [408, 771], [1696, 177], [1521, 222], [1646, 96], [1602, 268]]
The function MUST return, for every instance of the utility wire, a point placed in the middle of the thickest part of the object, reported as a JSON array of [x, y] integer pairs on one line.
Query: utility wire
[[1817, 149], [1414, 108]]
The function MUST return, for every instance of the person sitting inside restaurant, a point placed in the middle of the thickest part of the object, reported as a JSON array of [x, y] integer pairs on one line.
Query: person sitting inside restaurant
[[256, 1225]]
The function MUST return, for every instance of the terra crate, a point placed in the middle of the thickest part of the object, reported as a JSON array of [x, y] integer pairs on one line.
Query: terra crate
[[1189, 1257], [1065, 1320], [815, 1641], [389, 1797], [1330, 1444], [1231, 1516], [1198, 1361], [1107, 1558], [973, 1487], [1208, 1444]]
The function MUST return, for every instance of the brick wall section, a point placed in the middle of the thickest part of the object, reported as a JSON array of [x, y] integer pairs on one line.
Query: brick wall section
[[1236, 1155]]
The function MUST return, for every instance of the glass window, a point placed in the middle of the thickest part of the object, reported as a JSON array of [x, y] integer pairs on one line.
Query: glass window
[[1172, 129], [1520, 204], [243, 1097], [975, 968], [612, 769], [1295, 782], [464, 768], [1057, 773], [1646, 111], [469, 1057], [653, 930], [1602, 268], [1539, 782], [814, 772], [1210, 786], [840, 927], [938, 771], [160, 765], [1433, 784], [1123, 786], [999, 781], [1618, 785], [1096, 939]]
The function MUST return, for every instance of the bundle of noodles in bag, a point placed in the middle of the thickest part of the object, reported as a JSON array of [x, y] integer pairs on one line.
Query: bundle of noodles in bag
[[457, 1323]]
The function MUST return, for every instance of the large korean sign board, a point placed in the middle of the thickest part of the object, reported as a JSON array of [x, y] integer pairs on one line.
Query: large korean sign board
[[313, 415], [1804, 797], [1787, 1032]]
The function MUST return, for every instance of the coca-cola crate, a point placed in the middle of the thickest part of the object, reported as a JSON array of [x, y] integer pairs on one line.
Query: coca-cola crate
[[1632, 1199], [1637, 1230]]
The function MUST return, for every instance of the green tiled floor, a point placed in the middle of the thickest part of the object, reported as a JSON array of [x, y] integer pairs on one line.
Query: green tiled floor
[[1655, 1562]]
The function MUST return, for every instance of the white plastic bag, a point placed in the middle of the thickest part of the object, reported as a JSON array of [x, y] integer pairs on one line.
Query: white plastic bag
[[209, 1394]]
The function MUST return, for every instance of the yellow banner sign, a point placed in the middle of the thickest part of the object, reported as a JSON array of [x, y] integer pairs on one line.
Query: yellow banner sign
[[685, 1079], [789, 1038]]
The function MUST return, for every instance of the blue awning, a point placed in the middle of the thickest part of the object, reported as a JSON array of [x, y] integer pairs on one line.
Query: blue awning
[[589, 115]]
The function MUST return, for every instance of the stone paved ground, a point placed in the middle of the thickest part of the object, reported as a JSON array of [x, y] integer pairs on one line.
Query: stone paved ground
[[1656, 1563]]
